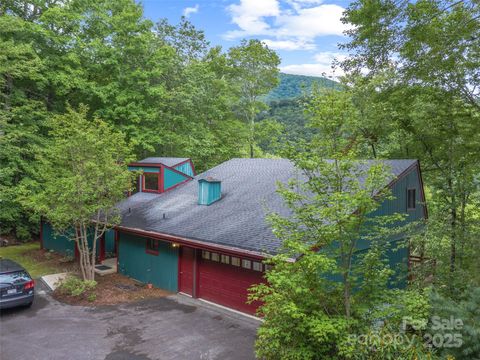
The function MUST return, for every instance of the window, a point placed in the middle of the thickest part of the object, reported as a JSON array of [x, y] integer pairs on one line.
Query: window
[[152, 246], [246, 264], [206, 255], [215, 257], [225, 259], [150, 181], [257, 266], [235, 261], [411, 199], [268, 267]]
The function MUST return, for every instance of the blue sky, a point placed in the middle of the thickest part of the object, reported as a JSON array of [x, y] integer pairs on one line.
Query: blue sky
[[305, 33]]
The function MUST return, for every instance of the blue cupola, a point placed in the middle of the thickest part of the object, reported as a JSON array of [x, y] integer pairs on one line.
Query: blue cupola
[[209, 191]]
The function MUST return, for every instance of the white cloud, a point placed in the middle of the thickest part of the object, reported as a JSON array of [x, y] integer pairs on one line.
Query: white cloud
[[249, 16], [289, 45], [296, 21], [191, 10], [312, 22], [321, 67]]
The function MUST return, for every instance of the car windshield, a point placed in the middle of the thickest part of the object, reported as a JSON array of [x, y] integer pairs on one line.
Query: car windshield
[[14, 277]]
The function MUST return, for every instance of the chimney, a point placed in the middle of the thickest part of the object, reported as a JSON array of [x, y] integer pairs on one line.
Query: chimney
[[209, 191]]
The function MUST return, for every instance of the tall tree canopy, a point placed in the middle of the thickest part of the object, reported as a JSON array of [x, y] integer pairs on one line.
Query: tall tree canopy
[[162, 85], [415, 71]]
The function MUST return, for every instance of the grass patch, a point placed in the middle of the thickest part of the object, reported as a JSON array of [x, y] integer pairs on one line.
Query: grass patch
[[37, 262]]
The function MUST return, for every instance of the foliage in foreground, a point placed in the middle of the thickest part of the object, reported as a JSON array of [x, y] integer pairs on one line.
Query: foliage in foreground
[[332, 284], [76, 287], [162, 85], [81, 174]]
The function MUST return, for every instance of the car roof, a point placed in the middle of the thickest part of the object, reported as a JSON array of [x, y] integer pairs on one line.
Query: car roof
[[7, 266]]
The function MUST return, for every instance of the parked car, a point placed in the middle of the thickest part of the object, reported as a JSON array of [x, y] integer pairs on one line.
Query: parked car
[[16, 285]]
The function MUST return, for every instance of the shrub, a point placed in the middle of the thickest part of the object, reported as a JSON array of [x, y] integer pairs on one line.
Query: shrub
[[74, 286]]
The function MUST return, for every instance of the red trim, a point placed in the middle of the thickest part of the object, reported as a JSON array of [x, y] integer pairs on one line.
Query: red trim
[[179, 257], [193, 167], [180, 183], [160, 179], [145, 164], [77, 252], [117, 248], [177, 171], [196, 273], [156, 246], [159, 182], [101, 256], [182, 162], [196, 244]]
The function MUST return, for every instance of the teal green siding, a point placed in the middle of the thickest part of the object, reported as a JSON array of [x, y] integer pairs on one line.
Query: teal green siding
[[185, 168], [172, 178], [110, 241], [56, 242], [160, 270], [208, 191], [397, 251]]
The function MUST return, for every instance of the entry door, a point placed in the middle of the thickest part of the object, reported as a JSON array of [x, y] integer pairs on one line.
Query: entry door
[[187, 262]]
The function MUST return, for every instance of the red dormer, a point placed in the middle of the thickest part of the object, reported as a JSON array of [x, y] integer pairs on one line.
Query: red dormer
[[160, 174]]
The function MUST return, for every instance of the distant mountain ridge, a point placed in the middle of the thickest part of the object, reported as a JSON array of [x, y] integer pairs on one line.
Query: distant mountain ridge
[[294, 86]]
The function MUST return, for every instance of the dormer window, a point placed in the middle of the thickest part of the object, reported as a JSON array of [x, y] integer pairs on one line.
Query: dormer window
[[160, 174], [411, 199], [151, 182]]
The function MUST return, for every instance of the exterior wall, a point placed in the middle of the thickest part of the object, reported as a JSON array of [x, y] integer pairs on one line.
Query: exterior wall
[[185, 168], [208, 192], [160, 270], [56, 242], [110, 241], [397, 252], [172, 178], [169, 177], [63, 245]]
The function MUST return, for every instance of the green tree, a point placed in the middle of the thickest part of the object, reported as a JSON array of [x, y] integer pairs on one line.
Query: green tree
[[80, 175], [422, 63], [255, 71], [330, 281], [162, 86], [22, 113]]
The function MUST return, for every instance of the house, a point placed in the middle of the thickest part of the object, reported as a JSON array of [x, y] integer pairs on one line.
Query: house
[[206, 236]]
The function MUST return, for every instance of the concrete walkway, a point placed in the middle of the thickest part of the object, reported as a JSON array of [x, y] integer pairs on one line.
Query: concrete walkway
[[52, 281]]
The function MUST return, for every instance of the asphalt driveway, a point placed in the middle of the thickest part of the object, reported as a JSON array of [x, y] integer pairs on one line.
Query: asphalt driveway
[[164, 328]]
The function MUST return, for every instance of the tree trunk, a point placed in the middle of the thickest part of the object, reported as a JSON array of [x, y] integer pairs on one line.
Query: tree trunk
[[346, 294], [453, 239]]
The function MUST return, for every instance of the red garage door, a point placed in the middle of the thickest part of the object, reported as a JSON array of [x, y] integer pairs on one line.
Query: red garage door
[[225, 280]]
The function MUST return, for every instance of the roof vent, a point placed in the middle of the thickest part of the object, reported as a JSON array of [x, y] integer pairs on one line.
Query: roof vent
[[209, 191]]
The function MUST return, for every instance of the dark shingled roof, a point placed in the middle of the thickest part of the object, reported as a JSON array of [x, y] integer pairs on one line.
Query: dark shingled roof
[[238, 219], [168, 161]]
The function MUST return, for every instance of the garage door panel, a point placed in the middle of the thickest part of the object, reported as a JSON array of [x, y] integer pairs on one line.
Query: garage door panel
[[227, 285]]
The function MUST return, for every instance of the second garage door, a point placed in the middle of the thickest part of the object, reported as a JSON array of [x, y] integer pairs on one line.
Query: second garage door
[[225, 280]]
